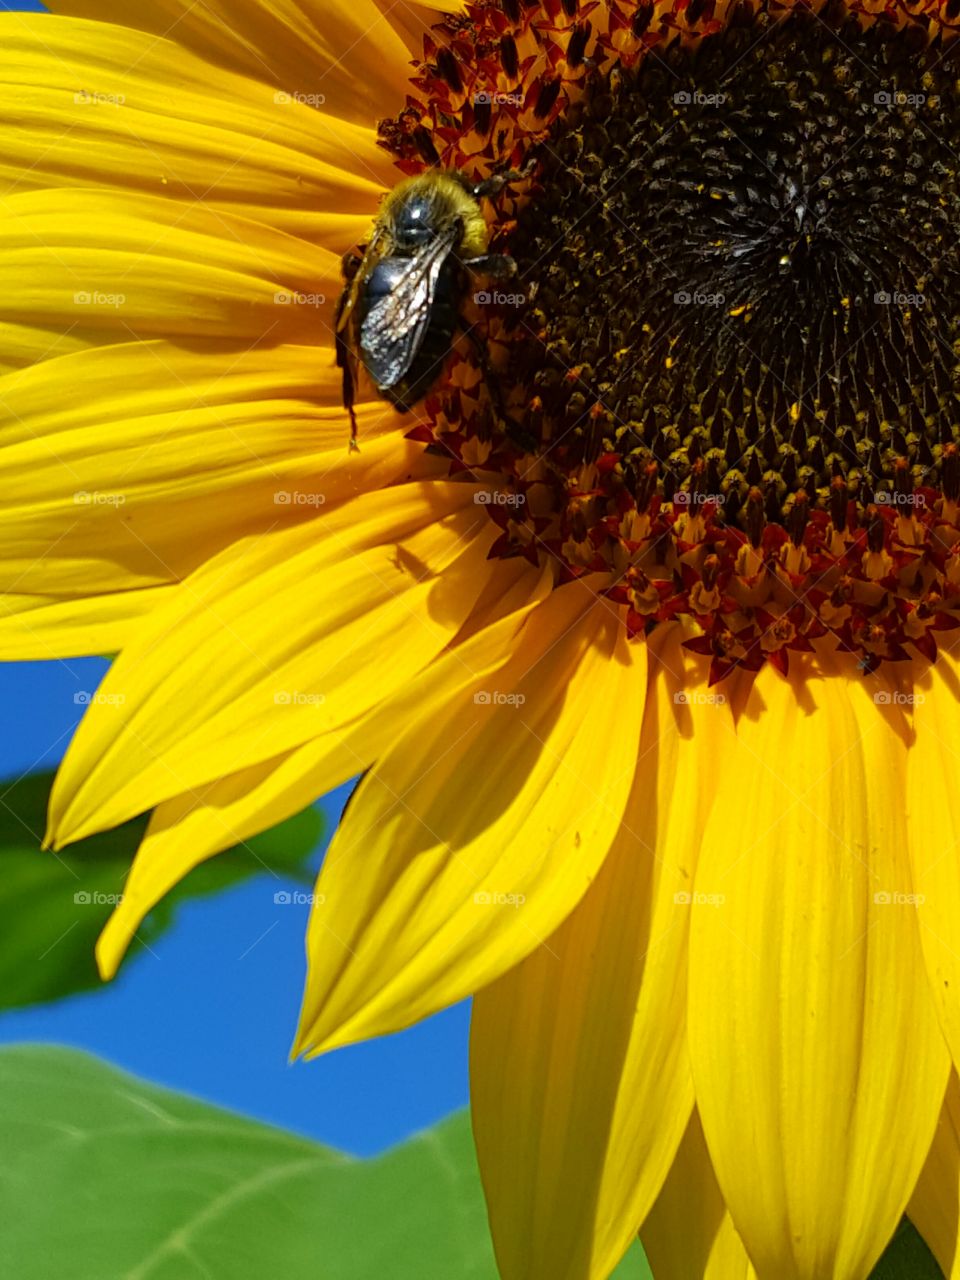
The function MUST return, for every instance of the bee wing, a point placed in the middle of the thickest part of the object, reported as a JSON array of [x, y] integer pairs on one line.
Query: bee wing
[[394, 328]]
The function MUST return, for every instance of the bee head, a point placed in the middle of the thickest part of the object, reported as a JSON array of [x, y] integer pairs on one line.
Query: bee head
[[419, 208], [415, 220]]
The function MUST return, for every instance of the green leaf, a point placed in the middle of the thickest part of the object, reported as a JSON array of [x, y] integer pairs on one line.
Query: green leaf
[[907, 1257], [108, 1178], [53, 905]]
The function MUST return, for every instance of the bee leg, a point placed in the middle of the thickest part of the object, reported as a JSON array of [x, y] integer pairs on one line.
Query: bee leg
[[348, 392], [350, 263], [498, 266], [515, 431], [344, 363]]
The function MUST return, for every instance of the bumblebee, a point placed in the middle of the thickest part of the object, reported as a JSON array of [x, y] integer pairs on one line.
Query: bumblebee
[[400, 308]]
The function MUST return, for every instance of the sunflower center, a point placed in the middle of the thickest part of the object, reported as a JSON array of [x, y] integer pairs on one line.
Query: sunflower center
[[733, 345], [744, 269]]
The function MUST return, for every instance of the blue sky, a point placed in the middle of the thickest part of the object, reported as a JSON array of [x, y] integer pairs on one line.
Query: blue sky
[[214, 1011]]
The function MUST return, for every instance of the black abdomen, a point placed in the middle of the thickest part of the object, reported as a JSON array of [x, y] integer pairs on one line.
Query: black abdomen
[[430, 356]]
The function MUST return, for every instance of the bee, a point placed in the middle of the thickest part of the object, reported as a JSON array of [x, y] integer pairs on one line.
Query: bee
[[400, 308]]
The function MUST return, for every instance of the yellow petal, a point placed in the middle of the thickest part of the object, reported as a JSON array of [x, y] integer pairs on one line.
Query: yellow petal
[[120, 265], [90, 105], [346, 50], [24, 344], [479, 830], [933, 832], [934, 1207], [172, 453], [689, 1235], [818, 1064], [44, 627], [412, 20], [580, 1084], [189, 828], [271, 644]]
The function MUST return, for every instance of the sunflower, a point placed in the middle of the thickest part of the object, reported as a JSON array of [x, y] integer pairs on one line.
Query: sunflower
[[657, 702]]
